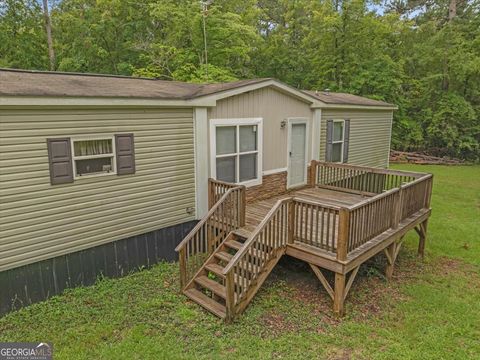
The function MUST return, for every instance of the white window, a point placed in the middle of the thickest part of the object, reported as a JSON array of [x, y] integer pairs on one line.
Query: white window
[[93, 157], [236, 150], [337, 140]]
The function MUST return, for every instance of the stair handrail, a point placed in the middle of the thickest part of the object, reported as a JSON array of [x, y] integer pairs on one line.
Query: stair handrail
[[198, 226], [203, 225], [236, 293], [246, 247]]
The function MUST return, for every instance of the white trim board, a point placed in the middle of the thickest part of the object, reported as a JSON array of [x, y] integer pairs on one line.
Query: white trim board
[[35, 101], [316, 134], [274, 171], [267, 82], [200, 131]]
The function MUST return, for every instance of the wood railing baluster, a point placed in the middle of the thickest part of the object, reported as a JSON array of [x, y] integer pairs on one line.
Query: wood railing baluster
[[342, 237], [394, 196], [223, 216]]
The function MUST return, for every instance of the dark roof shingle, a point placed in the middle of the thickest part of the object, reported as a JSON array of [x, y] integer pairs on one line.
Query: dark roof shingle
[[343, 98], [44, 83], [36, 83]]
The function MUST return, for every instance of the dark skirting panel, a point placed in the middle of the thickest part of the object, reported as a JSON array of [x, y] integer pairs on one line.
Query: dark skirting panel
[[39, 281]]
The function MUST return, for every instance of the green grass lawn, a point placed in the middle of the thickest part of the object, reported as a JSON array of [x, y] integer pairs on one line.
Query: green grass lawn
[[430, 310]]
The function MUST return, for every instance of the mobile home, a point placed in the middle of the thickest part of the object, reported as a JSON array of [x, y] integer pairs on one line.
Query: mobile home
[[104, 174]]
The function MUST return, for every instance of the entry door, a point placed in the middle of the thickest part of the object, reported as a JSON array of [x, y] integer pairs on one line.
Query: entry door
[[297, 156]]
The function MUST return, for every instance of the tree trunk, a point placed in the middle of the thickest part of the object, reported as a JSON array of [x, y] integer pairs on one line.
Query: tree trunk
[[452, 10], [48, 28]]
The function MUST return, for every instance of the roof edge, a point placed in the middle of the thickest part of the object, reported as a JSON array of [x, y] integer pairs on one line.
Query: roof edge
[[71, 73], [297, 93]]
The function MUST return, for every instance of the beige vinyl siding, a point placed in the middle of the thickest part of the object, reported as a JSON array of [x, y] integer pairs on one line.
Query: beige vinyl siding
[[39, 220], [369, 135], [273, 106]]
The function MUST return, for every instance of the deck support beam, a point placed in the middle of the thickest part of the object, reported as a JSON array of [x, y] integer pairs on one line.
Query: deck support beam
[[422, 233], [339, 294], [323, 280], [342, 286], [391, 252], [352, 276]]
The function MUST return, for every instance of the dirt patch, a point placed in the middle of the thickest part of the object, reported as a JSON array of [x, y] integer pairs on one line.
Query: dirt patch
[[341, 354], [370, 296], [277, 324]]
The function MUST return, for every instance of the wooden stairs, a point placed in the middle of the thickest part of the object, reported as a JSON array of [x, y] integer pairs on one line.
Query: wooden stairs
[[223, 263], [208, 288]]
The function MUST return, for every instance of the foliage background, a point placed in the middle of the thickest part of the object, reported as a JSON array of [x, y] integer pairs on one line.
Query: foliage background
[[422, 55]]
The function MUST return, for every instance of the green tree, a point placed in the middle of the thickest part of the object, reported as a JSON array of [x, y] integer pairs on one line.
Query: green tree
[[422, 55], [23, 41]]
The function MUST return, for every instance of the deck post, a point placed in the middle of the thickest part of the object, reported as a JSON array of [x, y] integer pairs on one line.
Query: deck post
[[183, 267], [343, 231], [422, 238], [339, 294], [428, 192], [291, 221], [313, 173], [211, 194], [390, 250], [230, 298], [243, 204], [210, 237], [398, 208]]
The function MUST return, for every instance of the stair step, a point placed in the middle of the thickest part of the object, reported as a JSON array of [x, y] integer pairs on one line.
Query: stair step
[[217, 288], [208, 303], [217, 269], [242, 232], [222, 255], [233, 244]]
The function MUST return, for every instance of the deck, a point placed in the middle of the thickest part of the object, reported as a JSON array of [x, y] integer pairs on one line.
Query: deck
[[256, 212], [344, 216]]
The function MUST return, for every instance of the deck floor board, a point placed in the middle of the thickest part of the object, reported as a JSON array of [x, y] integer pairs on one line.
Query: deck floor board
[[256, 211]]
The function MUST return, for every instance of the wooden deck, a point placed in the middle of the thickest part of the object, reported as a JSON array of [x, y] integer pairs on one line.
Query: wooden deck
[[256, 212], [344, 216]]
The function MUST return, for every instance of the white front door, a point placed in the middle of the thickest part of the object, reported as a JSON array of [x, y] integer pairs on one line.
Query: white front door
[[297, 153]]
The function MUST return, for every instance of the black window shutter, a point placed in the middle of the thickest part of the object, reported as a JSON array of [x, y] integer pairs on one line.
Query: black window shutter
[[125, 153], [60, 161], [329, 148], [346, 140]]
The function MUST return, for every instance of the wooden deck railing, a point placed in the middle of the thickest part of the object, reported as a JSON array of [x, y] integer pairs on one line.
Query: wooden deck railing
[[357, 179], [370, 218], [216, 189], [395, 195], [316, 224], [226, 215], [415, 196], [243, 272]]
